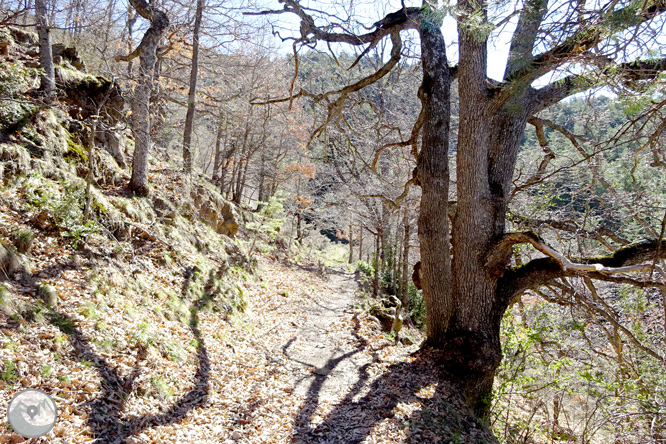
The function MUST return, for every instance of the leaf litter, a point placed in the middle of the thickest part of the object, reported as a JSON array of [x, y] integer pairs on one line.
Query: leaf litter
[[303, 363]]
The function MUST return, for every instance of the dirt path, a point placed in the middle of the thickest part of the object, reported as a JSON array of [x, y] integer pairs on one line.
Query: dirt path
[[304, 365], [318, 344], [323, 348], [346, 381]]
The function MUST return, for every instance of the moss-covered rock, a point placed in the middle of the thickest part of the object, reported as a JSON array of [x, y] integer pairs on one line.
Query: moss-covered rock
[[63, 53], [15, 160], [76, 153], [83, 92]]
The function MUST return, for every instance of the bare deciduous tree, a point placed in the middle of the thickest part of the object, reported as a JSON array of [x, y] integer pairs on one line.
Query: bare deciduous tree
[[465, 269]]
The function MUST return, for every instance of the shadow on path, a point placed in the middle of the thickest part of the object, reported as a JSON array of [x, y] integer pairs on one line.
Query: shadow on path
[[433, 411], [106, 420]]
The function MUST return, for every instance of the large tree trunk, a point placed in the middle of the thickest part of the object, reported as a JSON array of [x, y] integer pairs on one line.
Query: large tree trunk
[[191, 96], [45, 52], [432, 174], [472, 347], [147, 53]]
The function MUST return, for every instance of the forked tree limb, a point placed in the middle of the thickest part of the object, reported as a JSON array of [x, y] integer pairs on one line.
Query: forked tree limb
[[158, 25], [585, 39], [629, 73], [638, 256]]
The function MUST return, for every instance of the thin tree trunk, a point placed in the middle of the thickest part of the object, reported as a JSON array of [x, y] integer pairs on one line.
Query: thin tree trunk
[[351, 244], [110, 8], [360, 244], [218, 150], [225, 160], [375, 283], [191, 96], [397, 258], [261, 198], [147, 53], [405, 269], [131, 19], [399, 242], [45, 52], [405, 262], [299, 233]]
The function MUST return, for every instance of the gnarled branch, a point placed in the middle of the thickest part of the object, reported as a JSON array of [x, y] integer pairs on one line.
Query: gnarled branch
[[638, 256]]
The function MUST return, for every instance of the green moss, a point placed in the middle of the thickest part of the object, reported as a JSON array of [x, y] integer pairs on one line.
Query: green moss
[[75, 152]]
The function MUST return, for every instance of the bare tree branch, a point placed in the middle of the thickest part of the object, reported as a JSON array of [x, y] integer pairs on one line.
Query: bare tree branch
[[632, 258], [586, 38]]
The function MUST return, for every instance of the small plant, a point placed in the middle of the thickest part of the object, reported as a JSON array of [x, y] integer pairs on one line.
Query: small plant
[[47, 294], [144, 335], [63, 323], [269, 220], [365, 269], [104, 344], [10, 374], [23, 241], [89, 310], [417, 306], [5, 299], [177, 310], [161, 387]]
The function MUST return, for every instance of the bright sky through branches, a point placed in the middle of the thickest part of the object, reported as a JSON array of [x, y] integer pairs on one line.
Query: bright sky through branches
[[359, 13]]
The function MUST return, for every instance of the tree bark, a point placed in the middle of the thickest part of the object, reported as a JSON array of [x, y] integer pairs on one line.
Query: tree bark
[[360, 244], [218, 150], [404, 286], [191, 96], [299, 233], [432, 174], [375, 282], [351, 244], [47, 85], [140, 102]]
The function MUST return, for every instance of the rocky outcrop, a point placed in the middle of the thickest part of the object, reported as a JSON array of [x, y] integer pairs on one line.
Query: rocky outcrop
[[62, 53], [387, 312], [216, 212], [10, 262], [83, 92], [115, 144], [14, 160], [15, 41]]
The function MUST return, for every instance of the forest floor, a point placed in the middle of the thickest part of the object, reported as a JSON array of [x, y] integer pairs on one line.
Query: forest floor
[[303, 364], [139, 347]]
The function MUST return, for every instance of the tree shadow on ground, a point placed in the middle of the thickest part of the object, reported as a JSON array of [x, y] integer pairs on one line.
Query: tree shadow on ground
[[106, 419], [416, 400]]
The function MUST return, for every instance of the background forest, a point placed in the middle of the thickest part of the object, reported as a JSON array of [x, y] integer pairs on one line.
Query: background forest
[[584, 360]]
